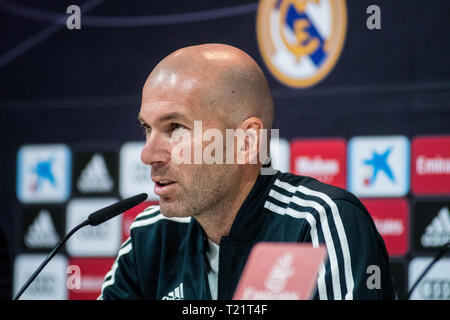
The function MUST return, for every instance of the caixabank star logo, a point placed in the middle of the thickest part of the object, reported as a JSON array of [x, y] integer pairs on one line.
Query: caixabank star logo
[[301, 40]]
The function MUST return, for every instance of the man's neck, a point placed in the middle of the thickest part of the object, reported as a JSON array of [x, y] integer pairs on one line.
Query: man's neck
[[217, 221]]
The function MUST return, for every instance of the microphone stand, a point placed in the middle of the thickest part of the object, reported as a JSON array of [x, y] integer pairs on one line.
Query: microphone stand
[[49, 257], [441, 253], [94, 219]]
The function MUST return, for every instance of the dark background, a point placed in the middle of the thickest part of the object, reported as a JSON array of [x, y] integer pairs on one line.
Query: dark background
[[82, 87]]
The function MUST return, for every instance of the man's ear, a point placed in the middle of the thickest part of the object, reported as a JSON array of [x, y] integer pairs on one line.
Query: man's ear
[[248, 140]]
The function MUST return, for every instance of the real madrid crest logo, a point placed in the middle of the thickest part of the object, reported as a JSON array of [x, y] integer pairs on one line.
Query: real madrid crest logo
[[301, 40]]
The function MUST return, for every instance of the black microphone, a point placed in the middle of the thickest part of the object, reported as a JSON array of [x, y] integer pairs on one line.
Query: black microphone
[[115, 209], [94, 219]]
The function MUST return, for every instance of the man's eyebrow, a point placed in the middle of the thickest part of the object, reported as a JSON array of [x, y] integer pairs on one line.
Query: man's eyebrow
[[173, 116], [167, 117], [142, 121]]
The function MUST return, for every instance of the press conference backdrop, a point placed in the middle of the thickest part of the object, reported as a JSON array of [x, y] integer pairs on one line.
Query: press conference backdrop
[[362, 102]]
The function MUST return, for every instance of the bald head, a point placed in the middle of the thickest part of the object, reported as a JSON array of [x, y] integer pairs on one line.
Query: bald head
[[192, 96], [219, 78]]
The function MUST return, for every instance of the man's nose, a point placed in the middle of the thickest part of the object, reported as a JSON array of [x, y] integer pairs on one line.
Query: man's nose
[[155, 151]]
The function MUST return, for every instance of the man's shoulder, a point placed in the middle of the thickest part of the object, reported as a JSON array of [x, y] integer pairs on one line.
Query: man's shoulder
[[292, 193], [308, 186]]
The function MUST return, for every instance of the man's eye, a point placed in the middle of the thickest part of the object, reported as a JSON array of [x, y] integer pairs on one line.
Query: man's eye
[[146, 130], [176, 126]]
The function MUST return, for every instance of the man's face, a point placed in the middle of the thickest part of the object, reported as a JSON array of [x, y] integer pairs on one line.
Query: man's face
[[167, 114]]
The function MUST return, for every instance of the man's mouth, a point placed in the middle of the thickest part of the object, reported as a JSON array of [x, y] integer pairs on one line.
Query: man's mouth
[[163, 186], [163, 183]]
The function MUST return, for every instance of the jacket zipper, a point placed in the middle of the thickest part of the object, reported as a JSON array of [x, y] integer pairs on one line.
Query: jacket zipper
[[219, 295], [205, 270]]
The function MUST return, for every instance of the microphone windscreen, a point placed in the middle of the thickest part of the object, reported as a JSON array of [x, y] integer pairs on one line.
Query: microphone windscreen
[[115, 209]]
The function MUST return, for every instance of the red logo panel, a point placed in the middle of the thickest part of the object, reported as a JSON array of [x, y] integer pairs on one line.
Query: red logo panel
[[324, 160], [85, 277], [280, 271], [431, 165], [129, 216], [391, 216]]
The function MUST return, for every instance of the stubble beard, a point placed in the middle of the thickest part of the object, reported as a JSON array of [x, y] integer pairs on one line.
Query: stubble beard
[[211, 188]]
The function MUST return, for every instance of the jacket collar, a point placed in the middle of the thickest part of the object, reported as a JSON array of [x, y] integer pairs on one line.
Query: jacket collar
[[248, 219]]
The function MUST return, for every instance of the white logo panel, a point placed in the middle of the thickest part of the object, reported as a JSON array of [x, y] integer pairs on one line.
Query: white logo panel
[[43, 173], [379, 166], [436, 283], [280, 154], [50, 284], [99, 241], [135, 177]]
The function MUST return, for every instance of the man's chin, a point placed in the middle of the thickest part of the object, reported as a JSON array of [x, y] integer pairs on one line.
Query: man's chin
[[171, 209]]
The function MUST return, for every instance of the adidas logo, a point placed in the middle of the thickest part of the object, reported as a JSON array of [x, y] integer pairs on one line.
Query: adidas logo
[[41, 233], [95, 176], [175, 294], [437, 232]]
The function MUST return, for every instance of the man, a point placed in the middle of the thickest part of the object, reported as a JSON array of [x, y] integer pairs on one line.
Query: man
[[196, 243]]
